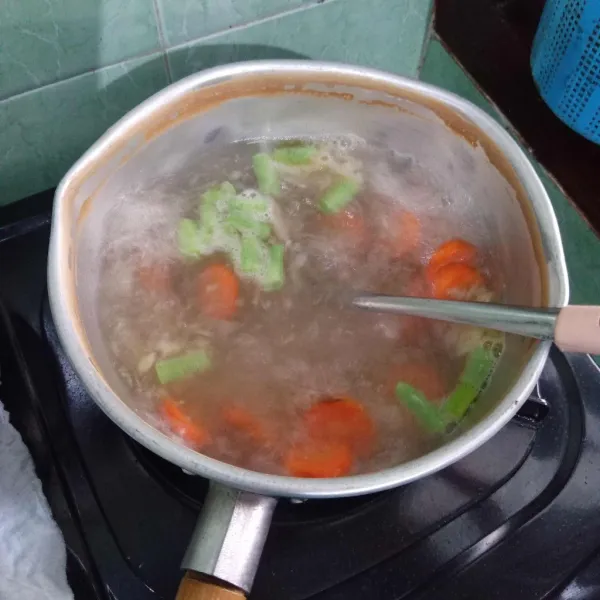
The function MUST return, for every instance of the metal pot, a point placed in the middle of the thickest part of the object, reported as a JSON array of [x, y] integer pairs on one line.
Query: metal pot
[[495, 186]]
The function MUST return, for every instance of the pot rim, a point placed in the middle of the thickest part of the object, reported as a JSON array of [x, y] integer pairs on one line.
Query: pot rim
[[75, 345]]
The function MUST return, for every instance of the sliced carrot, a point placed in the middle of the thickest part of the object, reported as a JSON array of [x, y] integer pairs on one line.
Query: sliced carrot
[[453, 251], [404, 233], [155, 278], [341, 420], [350, 226], [180, 423], [319, 459], [422, 376], [450, 252], [453, 280], [245, 422], [218, 291]]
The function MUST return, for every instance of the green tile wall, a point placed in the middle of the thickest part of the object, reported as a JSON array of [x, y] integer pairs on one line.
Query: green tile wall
[[335, 31], [186, 21], [71, 68], [43, 41], [45, 131]]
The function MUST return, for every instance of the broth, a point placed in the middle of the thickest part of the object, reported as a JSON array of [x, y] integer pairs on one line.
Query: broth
[[275, 371]]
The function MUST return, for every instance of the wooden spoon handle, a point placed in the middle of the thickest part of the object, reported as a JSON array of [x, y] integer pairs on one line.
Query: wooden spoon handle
[[578, 329], [193, 587]]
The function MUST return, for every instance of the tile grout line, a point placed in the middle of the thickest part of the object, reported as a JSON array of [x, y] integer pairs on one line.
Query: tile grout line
[[429, 35], [292, 11], [153, 53], [164, 50], [158, 16]]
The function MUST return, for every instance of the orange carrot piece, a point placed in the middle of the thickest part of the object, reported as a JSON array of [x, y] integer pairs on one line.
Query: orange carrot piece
[[319, 459], [422, 376], [404, 234], [218, 291], [451, 280], [245, 422], [450, 252], [181, 424], [341, 420], [155, 278]]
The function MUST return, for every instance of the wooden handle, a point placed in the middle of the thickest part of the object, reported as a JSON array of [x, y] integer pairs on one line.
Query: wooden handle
[[578, 329], [193, 587]]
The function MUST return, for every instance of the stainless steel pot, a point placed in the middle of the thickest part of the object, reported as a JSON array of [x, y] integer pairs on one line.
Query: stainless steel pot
[[494, 185]]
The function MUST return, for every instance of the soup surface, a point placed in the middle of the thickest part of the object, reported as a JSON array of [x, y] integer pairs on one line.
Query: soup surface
[[225, 302]]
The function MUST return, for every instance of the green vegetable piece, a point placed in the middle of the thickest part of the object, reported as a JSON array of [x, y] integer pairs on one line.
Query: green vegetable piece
[[275, 276], [252, 255], [214, 201], [209, 215], [338, 196], [180, 367], [459, 401], [478, 368], [255, 208], [246, 225], [418, 404], [228, 189], [188, 238], [217, 193], [294, 155], [266, 174]]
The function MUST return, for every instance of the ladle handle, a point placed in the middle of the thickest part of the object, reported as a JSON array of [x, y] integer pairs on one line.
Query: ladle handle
[[193, 587], [572, 328], [532, 322], [578, 329]]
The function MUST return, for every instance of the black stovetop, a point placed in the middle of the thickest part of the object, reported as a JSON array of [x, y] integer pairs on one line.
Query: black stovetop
[[517, 519]]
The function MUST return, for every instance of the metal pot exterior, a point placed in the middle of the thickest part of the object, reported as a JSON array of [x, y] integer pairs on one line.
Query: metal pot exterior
[[201, 93]]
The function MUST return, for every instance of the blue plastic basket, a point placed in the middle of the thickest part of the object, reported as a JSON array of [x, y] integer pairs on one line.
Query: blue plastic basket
[[566, 63]]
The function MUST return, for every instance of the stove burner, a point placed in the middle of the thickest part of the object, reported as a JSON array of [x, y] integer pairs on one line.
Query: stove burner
[[518, 518], [148, 503]]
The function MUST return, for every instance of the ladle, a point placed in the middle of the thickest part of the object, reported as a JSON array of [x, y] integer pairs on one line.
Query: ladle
[[572, 328]]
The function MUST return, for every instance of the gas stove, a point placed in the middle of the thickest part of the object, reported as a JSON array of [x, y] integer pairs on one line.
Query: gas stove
[[518, 518]]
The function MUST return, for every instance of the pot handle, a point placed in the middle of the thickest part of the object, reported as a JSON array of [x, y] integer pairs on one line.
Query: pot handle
[[226, 544], [193, 587], [578, 329]]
